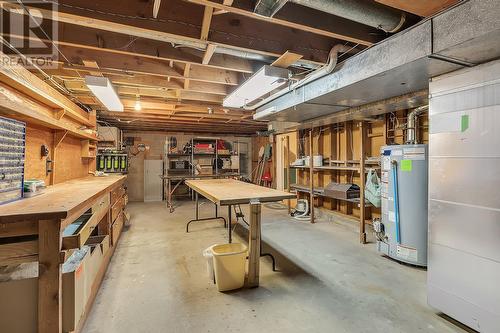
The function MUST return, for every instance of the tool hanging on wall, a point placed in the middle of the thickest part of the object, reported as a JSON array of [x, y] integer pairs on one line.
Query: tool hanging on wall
[[265, 153]]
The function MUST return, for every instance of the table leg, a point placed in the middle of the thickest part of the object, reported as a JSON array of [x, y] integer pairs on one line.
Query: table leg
[[196, 204], [169, 196], [229, 223], [254, 245], [197, 218], [49, 277]]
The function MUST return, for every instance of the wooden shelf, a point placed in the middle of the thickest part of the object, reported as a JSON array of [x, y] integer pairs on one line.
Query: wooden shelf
[[318, 191], [334, 168], [88, 149], [18, 106]]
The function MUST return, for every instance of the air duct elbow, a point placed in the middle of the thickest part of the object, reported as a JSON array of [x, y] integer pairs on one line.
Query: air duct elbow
[[411, 126]]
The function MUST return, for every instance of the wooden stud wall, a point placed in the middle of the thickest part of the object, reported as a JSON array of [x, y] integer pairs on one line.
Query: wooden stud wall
[[342, 142]]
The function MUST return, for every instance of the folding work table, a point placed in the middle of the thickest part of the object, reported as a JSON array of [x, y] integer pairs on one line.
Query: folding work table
[[180, 178], [228, 192]]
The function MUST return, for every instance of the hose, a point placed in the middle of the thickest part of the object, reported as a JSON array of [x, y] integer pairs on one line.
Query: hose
[[396, 200]]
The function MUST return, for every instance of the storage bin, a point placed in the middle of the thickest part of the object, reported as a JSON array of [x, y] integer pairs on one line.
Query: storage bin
[[229, 265]]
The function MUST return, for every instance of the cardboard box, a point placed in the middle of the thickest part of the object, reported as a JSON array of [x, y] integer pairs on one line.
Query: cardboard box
[[19, 301], [235, 162], [341, 191], [75, 293], [206, 170], [19, 305], [99, 246]]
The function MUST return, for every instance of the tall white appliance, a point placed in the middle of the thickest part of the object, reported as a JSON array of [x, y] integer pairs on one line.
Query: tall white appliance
[[464, 196]]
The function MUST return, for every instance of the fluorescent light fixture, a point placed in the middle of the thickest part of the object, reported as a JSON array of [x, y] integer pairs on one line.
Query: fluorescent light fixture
[[102, 88], [262, 82]]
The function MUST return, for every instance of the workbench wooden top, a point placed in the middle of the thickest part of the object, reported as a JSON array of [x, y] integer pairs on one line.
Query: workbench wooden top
[[59, 201], [233, 192]]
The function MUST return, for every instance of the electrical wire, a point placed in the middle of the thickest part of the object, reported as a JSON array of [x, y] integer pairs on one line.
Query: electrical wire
[[44, 32]]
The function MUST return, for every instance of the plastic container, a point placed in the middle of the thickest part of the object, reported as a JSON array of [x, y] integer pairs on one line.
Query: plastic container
[[229, 265], [207, 253]]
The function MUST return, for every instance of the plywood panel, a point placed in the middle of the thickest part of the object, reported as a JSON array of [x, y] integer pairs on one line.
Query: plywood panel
[[35, 163], [421, 7], [68, 163]]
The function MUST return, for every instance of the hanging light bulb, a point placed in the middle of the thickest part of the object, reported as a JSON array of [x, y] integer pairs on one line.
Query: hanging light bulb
[[138, 106]]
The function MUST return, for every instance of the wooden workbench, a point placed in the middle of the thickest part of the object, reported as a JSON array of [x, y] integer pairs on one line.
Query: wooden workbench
[[227, 192], [46, 216]]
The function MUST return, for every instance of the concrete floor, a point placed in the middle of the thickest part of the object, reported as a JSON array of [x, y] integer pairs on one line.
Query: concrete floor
[[157, 281]]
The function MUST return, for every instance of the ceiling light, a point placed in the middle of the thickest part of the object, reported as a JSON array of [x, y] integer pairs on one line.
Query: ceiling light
[[102, 88], [262, 82], [138, 106]]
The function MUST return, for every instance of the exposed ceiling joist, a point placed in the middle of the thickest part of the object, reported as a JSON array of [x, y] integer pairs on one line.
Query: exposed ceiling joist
[[155, 67], [187, 70], [78, 38], [156, 8], [76, 84], [367, 40], [92, 64], [207, 20], [209, 53], [268, 48]]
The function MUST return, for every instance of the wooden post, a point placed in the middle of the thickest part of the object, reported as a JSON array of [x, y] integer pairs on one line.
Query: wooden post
[[362, 233], [254, 245], [287, 161], [311, 173], [49, 277]]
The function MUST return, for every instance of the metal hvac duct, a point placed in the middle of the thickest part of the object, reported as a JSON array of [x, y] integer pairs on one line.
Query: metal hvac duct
[[411, 127], [364, 12]]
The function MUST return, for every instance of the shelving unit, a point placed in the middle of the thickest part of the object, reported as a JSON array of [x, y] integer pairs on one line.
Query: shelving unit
[[309, 178], [207, 161], [89, 149]]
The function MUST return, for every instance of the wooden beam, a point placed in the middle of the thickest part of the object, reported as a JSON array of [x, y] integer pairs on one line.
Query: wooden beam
[[156, 8], [146, 66], [221, 11], [152, 34], [290, 24], [209, 52], [77, 84], [59, 137], [286, 59], [362, 208], [254, 245], [49, 277], [76, 38], [92, 64], [187, 70], [207, 20], [311, 174]]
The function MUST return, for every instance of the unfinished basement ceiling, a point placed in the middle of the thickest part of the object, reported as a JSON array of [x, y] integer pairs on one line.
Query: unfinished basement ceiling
[[179, 59], [398, 66]]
